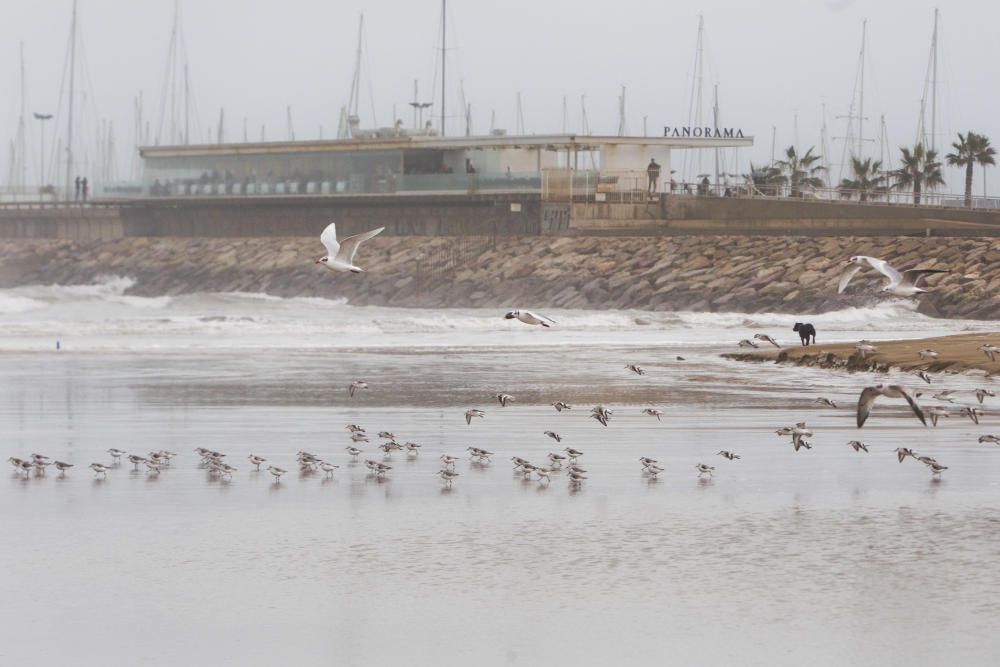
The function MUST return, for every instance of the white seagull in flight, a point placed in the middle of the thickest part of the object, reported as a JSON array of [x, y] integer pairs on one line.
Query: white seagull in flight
[[340, 254], [900, 283], [529, 317]]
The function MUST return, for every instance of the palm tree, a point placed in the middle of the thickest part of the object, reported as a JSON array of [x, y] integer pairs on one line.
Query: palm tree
[[764, 180], [801, 171], [970, 150], [868, 181], [919, 170]]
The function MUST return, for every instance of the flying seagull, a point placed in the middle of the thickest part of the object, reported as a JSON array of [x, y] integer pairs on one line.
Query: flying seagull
[[766, 339], [899, 283], [529, 317], [869, 394], [340, 255]]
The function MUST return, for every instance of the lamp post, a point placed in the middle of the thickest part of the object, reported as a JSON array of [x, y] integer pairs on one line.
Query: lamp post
[[41, 118]]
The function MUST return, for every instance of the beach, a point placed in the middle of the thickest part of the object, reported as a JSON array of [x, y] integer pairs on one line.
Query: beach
[[958, 353], [498, 569]]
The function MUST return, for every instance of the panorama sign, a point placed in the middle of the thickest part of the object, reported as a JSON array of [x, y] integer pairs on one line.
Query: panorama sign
[[704, 132]]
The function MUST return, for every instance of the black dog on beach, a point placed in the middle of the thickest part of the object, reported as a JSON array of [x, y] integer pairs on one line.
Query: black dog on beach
[[806, 331]]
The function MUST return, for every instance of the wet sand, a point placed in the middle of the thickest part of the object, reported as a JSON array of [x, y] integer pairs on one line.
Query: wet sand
[[958, 354]]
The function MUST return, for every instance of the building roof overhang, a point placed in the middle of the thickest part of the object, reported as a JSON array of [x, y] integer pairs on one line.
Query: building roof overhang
[[554, 142]]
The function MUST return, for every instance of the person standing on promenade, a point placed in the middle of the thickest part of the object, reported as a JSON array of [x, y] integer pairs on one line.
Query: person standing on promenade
[[653, 172], [76, 195], [84, 189]]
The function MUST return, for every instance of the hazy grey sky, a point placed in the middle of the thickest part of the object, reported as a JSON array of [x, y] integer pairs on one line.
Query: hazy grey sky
[[773, 61]]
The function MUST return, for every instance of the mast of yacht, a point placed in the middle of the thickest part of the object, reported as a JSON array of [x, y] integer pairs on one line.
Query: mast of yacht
[[852, 141], [621, 114], [444, 60], [22, 130], [697, 82], [930, 87], [72, 93]]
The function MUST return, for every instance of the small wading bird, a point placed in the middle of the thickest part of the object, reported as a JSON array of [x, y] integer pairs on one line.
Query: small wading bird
[[990, 351], [936, 468], [903, 452], [989, 438], [703, 469], [825, 401], [504, 399], [858, 446], [99, 469], [555, 436], [747, 343], [340, 254], [983, 393], [865, 348], [972, 413], [927, 353], [935, 412], [573, 454], [448, 475], [256, 460], [277, 472], [353, 451], [944, 396], [448, 460], [560, 406], [116, 454], [729, 455], [923, 376], [62, 467], [635, 369], [868, 395], [474, 412], [766, 339], [653, 412], [529, 317], [356, 386], [601, 414], [899, 283]]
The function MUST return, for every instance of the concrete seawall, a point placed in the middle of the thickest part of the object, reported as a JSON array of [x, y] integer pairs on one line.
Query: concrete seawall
[[729, 273]]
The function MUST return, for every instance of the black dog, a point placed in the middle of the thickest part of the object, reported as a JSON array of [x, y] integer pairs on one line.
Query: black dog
[[805, 332]]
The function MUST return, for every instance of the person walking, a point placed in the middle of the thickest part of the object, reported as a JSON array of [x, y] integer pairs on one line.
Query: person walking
[[653, 172], [76, 195], [84, 189]]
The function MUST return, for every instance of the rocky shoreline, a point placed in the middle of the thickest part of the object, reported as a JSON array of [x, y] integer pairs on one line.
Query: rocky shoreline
[[796, 275]]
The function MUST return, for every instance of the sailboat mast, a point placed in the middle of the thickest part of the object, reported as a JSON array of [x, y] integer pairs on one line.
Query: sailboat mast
[[715, 126], [861, 105], [444, 59], [934, 50], [187, 107], [69, 122]]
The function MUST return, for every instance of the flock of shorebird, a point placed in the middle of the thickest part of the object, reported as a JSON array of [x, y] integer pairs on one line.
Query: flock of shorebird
[[866, 401], [340, 258]]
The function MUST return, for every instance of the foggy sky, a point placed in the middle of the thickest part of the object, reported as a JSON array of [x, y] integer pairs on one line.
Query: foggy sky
[[773, 61]]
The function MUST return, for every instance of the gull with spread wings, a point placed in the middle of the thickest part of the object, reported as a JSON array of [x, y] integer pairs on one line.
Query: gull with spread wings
[[901, 283], [869, 394], [340, 254]]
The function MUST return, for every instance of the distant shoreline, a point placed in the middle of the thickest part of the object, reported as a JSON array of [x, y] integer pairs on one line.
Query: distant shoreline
[[957, 354]]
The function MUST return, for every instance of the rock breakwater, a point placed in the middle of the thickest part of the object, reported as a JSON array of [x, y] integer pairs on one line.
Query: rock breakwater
[[727, 273]]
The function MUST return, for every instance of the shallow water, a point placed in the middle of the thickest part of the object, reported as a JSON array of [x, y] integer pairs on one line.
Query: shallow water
[[782, 558]]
